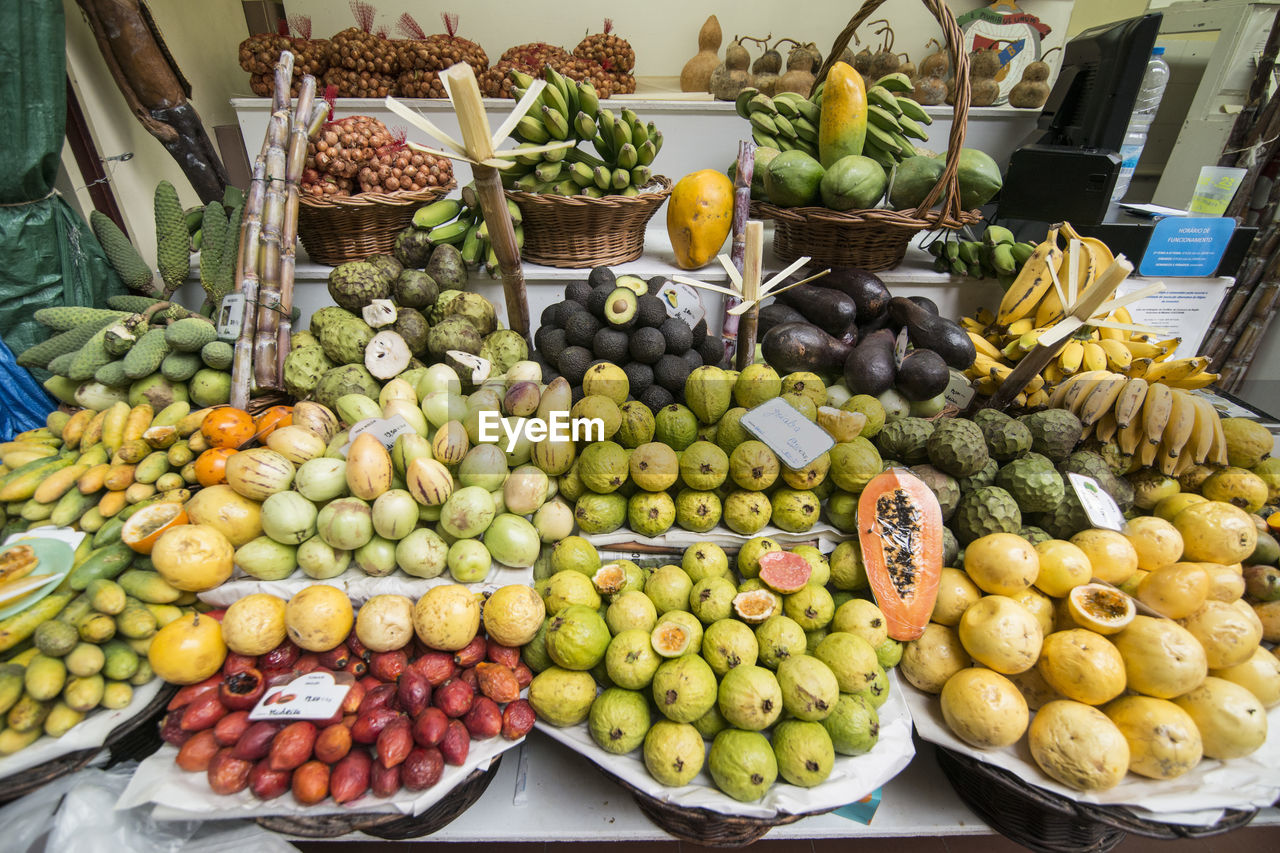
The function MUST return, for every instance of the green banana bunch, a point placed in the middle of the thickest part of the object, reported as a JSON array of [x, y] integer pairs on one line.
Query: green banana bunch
[[997, 255], [625, 146], [893, 120], [460, 223]]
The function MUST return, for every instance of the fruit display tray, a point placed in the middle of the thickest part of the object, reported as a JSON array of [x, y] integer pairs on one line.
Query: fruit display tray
[[852, 777], [179, 795], [1197, 798]]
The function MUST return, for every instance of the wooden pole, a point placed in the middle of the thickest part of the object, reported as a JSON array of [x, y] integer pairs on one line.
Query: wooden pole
[[752, 259], [474, 124]]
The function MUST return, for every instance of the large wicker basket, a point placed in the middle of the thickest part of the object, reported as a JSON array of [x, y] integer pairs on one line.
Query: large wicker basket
[[1048, 823], [580, 232], [349, 228], [393, 827], [135, 738], [877, 239]]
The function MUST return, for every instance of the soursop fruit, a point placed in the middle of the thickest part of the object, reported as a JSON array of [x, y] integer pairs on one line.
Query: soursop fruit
[[303, 369], [347, 379], [989, 509], [355, 284], [344, 342], [190, 334], [957, 447], [1033, 482], [1007, 440], [1054, 432], [179, 366], [943, 485], [218, 355], [985, 477], [906, 439]]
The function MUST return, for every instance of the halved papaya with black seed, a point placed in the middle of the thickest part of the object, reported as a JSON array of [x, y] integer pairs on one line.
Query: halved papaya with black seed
[[900, 530]]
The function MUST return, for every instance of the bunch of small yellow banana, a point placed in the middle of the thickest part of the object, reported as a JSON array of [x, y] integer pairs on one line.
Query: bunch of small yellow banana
[[1162, 427], [1032, 305]]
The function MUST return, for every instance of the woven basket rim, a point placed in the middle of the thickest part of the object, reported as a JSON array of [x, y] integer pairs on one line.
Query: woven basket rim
[[364, 201], [1115, 816], [871, 216], [646, 196]]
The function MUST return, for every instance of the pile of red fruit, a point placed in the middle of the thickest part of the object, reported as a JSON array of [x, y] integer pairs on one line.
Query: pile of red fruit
[[408, 714]]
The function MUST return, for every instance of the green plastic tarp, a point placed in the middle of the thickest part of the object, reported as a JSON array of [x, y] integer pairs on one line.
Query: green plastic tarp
[[48, 255]]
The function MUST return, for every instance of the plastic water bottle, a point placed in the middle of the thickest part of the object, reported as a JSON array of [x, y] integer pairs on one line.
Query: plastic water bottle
[[1144, 112]]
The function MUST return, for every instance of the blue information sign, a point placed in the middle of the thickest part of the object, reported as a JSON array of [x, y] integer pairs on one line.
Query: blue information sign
[[1186, 246]]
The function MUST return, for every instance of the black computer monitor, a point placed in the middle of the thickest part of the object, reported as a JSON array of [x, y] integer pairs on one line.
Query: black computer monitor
[[1097, 86]]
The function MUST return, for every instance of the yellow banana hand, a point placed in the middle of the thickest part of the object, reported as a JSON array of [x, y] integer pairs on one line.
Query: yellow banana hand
[[1129, 403], [1178, 368], [1094, 356], [1070, 357], [1034, 280], [1119, 358], [1156, 411]]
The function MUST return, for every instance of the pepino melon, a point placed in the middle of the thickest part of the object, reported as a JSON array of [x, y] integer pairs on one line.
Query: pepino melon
[[900, 530]]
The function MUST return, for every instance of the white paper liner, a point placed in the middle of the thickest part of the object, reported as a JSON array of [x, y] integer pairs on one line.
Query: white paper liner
[[358, 586], [826, 536], [179, 795], [1197, 798], [89, 733], [852, 777]]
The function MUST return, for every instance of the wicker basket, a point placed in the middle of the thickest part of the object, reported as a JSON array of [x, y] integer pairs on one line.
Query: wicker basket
[[579, 232], [393, 827], [1046, 822], [349, 228], [135, 738], [703, 826], [877, 239]]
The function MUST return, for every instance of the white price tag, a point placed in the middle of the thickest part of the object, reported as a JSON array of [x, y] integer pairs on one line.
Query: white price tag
[[682, 301], [1099, 506], [230, 317], [900, 347], [794, 438], [959, 391], [314, 696], [386, 430]]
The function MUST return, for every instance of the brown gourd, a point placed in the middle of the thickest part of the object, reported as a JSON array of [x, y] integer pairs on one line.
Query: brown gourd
[[768, 66], [731, 76], [885, 61], [862, 59], [907, 67], [800, 67], [936, 64], [1031, 92], [930, 84], [696, 74], [984, 65]]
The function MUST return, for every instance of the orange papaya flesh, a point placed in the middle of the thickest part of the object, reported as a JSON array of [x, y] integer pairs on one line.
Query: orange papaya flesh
[[900, 531]]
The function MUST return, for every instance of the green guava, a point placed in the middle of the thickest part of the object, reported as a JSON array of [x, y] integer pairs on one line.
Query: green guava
[[753, 466], [851, 658], [597, 513], [565, 589], [877, 692], [742, 764], [668, 587], [861, 617], [619, 720], [889, 653], [854, 725], [673, 753], [651, 513], [809, 687], [562, 697], [631, 610], [750, 553], [747, 513], [698, 511], [750, 698], [811, 607], [812, 639], [728, 644], [603, 466], [711, 723], [804, 751], [654, 467], [779, 637], [534, 653], [848, 572], [819, 566], [705, 560], [794, 510], [711, 599], [630, 660], [684, 688], [703, 466], [730, 432], [577, 637]]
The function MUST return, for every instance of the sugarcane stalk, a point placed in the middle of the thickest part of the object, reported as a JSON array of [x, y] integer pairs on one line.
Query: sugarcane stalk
[[282, 82], [297, 156], [268, 305], [752, 263], [474, 124], [247, 284], [737, 251]]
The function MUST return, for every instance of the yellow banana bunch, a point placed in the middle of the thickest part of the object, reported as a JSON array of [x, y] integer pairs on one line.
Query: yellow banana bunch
[[1034, 280]]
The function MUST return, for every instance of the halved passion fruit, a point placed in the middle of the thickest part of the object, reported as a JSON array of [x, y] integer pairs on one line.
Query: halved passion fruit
[[670, 639], [1100, 608], [147, 525], [755, 606]]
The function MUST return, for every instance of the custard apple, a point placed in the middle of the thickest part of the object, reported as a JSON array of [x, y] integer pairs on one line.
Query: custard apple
[[355, 284], [906, 439], [303, 368], [989, 509], [957, 447], [1033, 482], [1054, 432], [344, 341]]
